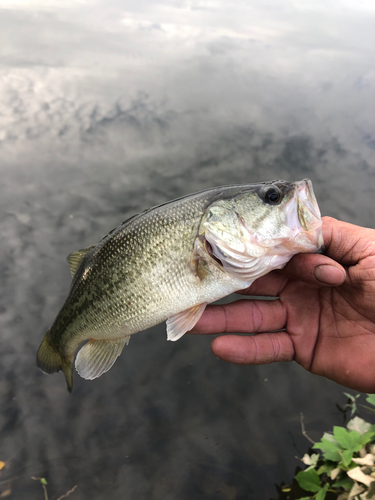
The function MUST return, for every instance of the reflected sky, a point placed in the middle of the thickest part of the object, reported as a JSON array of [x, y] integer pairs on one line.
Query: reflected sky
[[107, 108], [120, 82]]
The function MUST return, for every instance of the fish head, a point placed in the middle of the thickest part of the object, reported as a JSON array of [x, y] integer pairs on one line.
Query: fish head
[[263, 227], [282, 213]]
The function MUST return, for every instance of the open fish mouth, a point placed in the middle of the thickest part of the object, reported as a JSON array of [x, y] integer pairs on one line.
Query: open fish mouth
[[306, 220], [307, 198]]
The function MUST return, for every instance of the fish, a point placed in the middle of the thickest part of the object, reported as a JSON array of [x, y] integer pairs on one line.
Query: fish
[[168, 262]]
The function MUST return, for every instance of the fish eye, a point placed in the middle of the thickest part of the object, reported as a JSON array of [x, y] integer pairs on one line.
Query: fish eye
[[272, 196]]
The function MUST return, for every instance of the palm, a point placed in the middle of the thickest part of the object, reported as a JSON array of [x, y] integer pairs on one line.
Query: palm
[[333, 331], [345, 349], [329, 330]]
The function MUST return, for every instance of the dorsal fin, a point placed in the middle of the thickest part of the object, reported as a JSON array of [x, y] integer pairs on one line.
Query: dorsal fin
[[75, 258]]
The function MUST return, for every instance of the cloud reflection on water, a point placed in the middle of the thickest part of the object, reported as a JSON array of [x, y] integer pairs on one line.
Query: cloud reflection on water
[[109, 107], [124, 82]]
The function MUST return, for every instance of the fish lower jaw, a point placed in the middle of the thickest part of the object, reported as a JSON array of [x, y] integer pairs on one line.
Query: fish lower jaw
[[305, 237], [309, 241], [302, 211]]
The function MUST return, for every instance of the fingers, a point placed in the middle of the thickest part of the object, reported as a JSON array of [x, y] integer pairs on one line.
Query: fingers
[[248, 316], [242, 316], [315, 269], [257, 350]]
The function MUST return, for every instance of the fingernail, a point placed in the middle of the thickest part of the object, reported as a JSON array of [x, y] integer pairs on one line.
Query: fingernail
[[329, 275]]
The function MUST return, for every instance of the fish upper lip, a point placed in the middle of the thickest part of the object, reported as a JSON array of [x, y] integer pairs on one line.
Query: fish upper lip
[[307, 197], [304, 200]]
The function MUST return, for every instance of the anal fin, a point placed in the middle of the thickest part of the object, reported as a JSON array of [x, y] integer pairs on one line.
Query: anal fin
[[184, 321], [98, 356]]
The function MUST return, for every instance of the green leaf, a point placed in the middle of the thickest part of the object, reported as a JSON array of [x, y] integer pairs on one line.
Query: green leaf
[[43, 481], [311, 460], [367, 437], [371, 399], [322, 493], [345, 482], [314, 459], [326, 467], [330, 449], [309, 480], [349, 440], [347, 456], [329, 437]]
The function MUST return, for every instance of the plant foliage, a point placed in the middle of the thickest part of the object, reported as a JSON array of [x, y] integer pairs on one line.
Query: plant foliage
[[344, 466]]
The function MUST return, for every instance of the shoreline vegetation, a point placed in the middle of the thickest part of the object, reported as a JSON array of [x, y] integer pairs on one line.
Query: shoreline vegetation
[[341, 466]]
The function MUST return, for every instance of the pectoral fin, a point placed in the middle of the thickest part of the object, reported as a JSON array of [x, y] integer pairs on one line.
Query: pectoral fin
[[184, 321], [98, 356]]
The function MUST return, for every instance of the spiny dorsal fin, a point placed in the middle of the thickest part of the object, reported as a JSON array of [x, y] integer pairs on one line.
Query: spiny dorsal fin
[[74, 259], [97, 356]]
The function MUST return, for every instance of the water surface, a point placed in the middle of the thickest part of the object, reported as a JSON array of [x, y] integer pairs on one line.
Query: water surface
[[107, 108]]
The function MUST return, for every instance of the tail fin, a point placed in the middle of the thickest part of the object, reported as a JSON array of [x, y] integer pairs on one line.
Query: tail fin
[[49, 360]]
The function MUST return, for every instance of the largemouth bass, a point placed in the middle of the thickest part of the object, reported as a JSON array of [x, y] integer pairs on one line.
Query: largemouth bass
[[169, 262]]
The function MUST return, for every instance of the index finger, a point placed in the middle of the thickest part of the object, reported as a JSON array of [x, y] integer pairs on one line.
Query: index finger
[[242, 316]]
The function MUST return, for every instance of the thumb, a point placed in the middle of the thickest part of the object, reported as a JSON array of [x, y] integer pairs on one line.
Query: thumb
[[315, 269], [347, 243], [339, 239]]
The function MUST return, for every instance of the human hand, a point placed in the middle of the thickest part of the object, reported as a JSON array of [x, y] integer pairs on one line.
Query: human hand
[[325, 305]]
